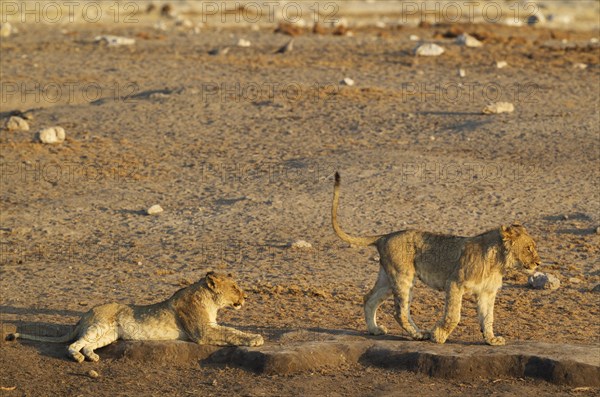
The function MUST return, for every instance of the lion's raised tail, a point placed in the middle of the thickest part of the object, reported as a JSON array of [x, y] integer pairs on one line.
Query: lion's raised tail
[[361, 241], [52, 339]]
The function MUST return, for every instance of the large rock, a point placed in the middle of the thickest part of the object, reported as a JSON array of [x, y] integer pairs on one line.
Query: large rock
[[560, 364], [541, 280]]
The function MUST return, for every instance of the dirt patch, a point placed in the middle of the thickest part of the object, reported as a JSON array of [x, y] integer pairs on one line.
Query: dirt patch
[[241, 176]]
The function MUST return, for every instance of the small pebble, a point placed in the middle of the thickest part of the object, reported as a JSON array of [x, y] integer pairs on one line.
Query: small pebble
[[219, 51], [155, 209], [52, 135], [6, 29], [286, 48], [347, 81], [183, 22], [538, 18], [581, 66], [468, 41], [499, 107], [114, 41], [15, 123], [429, 50], [93, 374], [413, 37], [243, 43], [461, 72], [574, 280], [501, 64], [301, 244], [160, 25]]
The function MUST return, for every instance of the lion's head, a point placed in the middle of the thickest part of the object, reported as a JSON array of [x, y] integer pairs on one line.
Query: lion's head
[[225, 290], [520, 244]]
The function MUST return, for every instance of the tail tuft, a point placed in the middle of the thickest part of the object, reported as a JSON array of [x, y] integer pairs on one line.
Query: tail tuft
[[337, 178]]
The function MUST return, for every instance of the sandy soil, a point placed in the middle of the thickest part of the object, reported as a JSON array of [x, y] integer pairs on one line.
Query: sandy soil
[[239, 149]]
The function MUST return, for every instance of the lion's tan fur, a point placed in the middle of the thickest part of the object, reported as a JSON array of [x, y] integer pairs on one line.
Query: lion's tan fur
[[190, 314], [455, 264]]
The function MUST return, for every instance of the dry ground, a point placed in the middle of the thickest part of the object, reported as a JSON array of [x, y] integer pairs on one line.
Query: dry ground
[[239, 149]]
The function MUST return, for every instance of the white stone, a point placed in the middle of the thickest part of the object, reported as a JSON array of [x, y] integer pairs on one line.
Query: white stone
[[499, 107], [501, 64], [16, 123], [461, 72], [429, 50], [348, 81], [93, 374], [413, 37], [160, 25], [114, 41], [52, 135], [541, 280], [6, 29], [468, 40], [183, 22], [155, 209], [301, 244], [581, 66], [243, 43]]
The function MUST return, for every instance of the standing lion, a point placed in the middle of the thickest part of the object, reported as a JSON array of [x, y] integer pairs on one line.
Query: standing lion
[[457, 265]]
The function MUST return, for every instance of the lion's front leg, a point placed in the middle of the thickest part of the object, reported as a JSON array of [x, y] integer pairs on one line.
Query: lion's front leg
[[485, 312], [224, 336], [451, 318]]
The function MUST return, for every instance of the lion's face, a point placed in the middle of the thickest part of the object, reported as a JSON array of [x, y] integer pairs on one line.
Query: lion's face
[[522, 246], [226, 290]]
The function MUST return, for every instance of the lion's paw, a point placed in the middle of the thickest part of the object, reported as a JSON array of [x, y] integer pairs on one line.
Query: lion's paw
[[256, 340], [438, 335], [78, 357], [496, 341], [380, 330], [422, 335]]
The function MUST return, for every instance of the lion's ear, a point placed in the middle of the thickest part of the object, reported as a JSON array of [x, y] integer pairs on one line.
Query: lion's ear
[[211, 280], [511, 232]]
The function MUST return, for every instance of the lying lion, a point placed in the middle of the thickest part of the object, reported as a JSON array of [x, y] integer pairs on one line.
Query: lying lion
[[190, 314], [455, 264]]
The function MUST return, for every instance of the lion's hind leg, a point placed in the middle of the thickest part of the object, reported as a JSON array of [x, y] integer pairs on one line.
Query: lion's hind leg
[[373, 299], [93, 338], [402, 299]]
